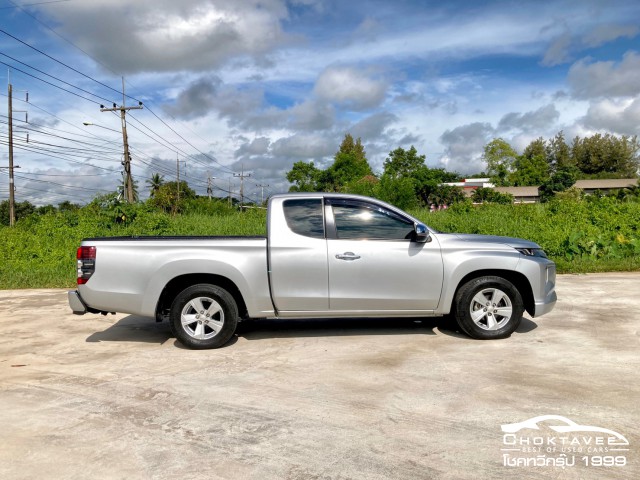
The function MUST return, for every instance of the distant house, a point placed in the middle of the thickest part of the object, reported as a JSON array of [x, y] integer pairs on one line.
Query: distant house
[[521, 194], [530, 194], [468, 185]]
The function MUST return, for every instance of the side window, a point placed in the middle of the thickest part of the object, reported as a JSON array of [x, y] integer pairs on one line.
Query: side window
[[304, 216], [361, 221]]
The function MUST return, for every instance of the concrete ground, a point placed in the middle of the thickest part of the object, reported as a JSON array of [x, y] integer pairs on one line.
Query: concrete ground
[[117, 397]]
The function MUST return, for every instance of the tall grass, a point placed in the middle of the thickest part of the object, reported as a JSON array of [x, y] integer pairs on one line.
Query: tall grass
[[591, 235], [40, 251]]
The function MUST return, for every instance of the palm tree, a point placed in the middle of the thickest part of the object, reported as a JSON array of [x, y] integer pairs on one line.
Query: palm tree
[[155, 182]]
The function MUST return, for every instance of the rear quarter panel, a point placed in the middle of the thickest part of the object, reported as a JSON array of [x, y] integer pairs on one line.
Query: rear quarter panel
[[131, 274]]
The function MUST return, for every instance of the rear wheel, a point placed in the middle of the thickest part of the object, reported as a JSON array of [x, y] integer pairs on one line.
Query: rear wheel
[[488, 307], [204, 316]]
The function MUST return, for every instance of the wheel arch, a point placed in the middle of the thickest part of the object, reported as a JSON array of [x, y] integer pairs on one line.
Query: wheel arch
[[179, 283], [518, 280]]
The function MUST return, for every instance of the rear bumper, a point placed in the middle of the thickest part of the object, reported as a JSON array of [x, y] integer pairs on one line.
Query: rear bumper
[[76, 303]]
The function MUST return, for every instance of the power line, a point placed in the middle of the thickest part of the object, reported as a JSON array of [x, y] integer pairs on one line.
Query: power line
[[49, 83], [32, 4], [54, 77], [60, 62]]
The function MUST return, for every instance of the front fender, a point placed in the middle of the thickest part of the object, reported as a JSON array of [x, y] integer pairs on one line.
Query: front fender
[[461, 264]]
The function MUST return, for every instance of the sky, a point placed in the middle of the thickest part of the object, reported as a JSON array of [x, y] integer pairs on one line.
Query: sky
[[248, 87]]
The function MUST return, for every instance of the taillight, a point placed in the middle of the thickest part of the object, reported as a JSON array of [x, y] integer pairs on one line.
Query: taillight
[[86, 264]]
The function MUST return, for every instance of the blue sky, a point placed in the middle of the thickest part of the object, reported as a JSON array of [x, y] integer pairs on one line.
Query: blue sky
[[259, 85]]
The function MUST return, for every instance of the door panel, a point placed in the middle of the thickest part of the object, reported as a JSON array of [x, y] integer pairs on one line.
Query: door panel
[[298, 268], [388, 275]]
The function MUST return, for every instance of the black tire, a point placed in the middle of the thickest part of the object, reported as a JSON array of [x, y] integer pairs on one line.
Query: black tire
[[210, 316], [488, 307]]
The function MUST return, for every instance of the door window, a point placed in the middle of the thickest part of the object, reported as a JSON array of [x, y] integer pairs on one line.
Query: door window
[[304, 216], [363, 221]]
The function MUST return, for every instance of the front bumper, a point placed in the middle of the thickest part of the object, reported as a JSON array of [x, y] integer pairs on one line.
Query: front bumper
[[547, 305], [76, 303]]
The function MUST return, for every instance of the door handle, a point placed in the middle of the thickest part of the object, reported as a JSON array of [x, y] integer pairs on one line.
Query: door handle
[[347, 256]]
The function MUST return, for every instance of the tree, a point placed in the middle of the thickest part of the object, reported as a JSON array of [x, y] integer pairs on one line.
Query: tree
[[304, 177], [67, 206], [45, 209], [172, 199], [558, 153], [427, 180], [606, 155], [489, 195], [559, 182], [352, 147], [21, 210], [500, 158], [399, 191], [537, 148], [403, 163], [445, 195], [350, 165], [529, 171], [155, 182], [630, 192]]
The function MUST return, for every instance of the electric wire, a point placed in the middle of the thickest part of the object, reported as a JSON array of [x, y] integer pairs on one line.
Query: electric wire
[[56, 78]]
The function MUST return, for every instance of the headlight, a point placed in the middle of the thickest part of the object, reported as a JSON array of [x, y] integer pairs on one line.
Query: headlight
[[532, 252]]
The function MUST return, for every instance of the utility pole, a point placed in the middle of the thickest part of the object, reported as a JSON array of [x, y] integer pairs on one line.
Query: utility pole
[[242, 176], [12, 201], [262, 187], [127, 157], [229, 191], [178, 172], [178, 177], [210, 186]]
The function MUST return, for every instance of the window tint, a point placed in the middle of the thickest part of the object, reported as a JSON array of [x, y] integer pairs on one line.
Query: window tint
[[304, 216], [367, 221]]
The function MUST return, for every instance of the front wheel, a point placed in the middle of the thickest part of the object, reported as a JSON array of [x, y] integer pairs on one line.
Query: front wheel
[[488, 307], [204, 316]]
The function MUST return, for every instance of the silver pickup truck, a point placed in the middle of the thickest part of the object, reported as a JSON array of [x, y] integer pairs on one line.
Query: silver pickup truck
[[325, 255]]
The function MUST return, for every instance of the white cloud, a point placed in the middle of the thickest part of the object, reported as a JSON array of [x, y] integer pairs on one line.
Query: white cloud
[[590, 79], [164, 35], [304, 146], [618, 116], [539, 120], [350, 88], [602, 34], [464, 147], [558, 51]]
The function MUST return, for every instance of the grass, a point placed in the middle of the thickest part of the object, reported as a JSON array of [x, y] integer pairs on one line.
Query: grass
[[585, 236]]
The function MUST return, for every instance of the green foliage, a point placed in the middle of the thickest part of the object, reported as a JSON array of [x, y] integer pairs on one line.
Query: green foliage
[[396, 191], [155, 182], [558, 154], [489, 195], [67, 206], [349, 166], [530, 171], [590, 234], [445, 195], [606, 154], [21, 210], [304, 177], [171, 196], [559, 182], [403, 163], [39, 252], [500, 158], [598, 156]]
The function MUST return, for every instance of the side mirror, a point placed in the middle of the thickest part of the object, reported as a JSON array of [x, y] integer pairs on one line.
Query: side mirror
[[421, 233]]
